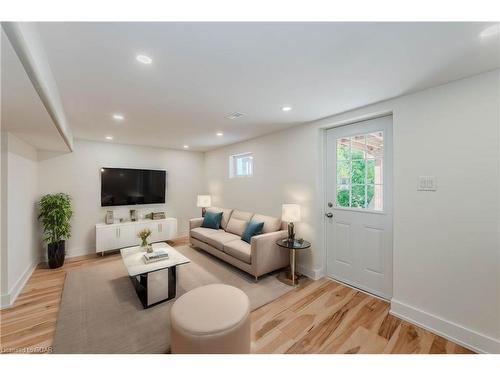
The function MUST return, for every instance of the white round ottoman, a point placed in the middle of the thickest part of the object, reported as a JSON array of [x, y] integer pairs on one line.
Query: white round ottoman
[[211, 319]]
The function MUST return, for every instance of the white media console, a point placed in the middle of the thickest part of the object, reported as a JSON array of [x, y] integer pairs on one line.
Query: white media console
[[120, 235]]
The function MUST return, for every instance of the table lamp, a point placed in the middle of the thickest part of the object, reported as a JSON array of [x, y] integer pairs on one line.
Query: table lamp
[[291, 214], [204, 201]]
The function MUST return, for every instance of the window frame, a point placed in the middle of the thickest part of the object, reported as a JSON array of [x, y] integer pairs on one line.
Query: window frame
[[350, 184], [233, 161]]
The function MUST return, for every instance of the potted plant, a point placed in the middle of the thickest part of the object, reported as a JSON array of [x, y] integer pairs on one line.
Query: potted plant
[[143, 235], [55, 215]]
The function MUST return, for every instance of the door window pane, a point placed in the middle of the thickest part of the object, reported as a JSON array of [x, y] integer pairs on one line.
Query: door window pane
[[374, 197], [343, 173], [343, 194], [360, 171], [375, 145], [374, 171], [343, 149], [358, 147], [358, 196]]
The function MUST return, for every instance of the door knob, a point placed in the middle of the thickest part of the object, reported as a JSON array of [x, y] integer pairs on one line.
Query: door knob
[[329, 215]]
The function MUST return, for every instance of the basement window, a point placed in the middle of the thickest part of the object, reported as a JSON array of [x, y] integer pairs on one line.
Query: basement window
[[241, 165]]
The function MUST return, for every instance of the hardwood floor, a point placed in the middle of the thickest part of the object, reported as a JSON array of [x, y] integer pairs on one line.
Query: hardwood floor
[[324, 316], [319, 317]]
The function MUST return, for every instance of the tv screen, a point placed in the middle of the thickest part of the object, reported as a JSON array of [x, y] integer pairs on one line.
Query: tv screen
[[123, 187]]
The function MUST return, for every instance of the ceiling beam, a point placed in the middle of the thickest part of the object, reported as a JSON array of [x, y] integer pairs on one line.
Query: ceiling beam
[[25, 41]]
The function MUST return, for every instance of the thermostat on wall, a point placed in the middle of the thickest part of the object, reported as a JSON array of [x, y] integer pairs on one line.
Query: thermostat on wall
[[427, 183]]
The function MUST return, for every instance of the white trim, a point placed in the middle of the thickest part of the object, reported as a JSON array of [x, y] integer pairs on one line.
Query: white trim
[[314, 274], [7, 300], [356, 119], [361, 210], [461, 335]]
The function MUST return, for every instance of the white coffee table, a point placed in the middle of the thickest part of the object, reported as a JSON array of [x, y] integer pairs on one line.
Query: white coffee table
[[154, 282]]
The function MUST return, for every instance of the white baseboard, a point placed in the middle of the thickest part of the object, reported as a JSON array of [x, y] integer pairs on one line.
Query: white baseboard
[[466, 337], [314, 274], [77, 252], [8, 300]]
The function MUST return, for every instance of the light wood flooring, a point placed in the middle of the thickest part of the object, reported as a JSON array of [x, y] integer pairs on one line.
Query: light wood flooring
[[318, 317], [324, 316]]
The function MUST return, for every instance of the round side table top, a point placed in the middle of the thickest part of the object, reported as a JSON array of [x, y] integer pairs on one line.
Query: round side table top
[[296, 244]]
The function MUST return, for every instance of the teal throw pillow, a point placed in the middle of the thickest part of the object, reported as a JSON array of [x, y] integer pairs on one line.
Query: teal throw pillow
[[212, 220], [252, 229]]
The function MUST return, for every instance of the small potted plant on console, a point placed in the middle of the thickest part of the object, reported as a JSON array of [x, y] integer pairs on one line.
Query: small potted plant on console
[[55, 215]]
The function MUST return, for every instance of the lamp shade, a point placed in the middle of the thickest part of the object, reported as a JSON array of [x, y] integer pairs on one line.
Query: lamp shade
[[204, 201], [290, 213]]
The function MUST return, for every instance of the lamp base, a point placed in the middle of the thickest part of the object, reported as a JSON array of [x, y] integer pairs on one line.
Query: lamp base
[[291, 232]]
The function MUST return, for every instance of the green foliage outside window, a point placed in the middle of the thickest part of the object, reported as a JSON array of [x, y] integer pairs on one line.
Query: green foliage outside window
[[354, 171]]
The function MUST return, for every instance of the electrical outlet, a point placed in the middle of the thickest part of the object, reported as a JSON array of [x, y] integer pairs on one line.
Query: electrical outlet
[[427, 183]]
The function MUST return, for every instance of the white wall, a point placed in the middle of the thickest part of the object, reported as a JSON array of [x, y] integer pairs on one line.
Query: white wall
[[446, 243], [21, 226], [286, 168], [4, 290], [77, 174]]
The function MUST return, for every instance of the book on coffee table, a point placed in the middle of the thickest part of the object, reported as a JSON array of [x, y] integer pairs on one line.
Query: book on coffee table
[[155, 256]]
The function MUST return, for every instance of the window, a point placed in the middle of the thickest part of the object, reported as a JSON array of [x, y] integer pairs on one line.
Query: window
[[360, 161], [241, 165]]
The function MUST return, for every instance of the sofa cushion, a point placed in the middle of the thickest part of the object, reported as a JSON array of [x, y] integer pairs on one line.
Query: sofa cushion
[[271, 224], [212, 220], [239, 249], [226, 214], [203, 234], [218, 239], [238, 222]]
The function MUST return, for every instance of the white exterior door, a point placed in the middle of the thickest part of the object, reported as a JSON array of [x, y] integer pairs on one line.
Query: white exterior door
[[359, 205]]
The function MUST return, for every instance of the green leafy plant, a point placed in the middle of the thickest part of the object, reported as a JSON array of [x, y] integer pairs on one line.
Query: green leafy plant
[[143, 235], [55, 215]]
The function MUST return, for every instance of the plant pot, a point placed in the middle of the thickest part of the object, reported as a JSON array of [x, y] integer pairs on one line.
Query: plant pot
[[56, 252]]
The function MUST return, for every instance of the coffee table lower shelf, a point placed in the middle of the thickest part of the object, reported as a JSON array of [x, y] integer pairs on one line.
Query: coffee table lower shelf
[[146, 288]]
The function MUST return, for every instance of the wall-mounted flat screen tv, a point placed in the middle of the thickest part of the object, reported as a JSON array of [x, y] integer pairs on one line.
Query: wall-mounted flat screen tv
[[124, 187]]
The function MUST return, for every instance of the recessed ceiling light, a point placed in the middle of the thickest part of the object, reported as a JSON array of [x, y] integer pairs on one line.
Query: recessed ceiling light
[[118, 117], [109, 138], [144, 59], [234, 115], [490, 31], [220, 134], [185, 146], [286, 109]]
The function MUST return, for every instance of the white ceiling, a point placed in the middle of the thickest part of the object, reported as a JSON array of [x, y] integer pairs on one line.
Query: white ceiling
[[22, 111], [203, 72]]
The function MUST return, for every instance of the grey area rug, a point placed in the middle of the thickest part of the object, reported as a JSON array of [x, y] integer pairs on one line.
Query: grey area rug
[[101, 313]]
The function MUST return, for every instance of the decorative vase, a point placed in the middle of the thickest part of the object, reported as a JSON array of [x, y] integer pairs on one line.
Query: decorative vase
[[149, 249], [56, 252]]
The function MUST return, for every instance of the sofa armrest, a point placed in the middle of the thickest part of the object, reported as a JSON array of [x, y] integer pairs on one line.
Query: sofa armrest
[[266, 255], [195, 223]]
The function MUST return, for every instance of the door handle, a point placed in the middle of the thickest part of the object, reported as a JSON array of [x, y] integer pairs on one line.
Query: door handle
[[329, 215]]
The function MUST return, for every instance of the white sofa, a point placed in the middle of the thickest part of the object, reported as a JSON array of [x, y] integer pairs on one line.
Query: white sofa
[[258, 257]]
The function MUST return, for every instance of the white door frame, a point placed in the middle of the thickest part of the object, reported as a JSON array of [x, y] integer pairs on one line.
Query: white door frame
[[322, 191]]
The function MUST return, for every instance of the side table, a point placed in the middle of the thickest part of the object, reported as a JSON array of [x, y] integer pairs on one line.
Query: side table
[[291, 277]]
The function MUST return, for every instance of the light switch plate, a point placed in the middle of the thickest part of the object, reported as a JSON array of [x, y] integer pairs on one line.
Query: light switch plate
[[427, 183]]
